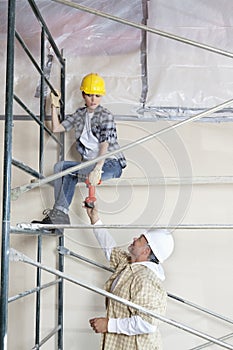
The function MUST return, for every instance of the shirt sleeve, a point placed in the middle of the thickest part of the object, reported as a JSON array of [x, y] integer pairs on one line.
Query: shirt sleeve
[[68, 122], [108, 132], [134, 325], [106, 241]]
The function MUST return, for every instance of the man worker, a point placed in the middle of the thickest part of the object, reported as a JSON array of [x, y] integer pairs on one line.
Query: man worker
[[137, 278], [96, 135]]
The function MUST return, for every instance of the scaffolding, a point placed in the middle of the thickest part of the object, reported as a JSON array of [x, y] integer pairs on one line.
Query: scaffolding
[[8, 161], [10, 254]]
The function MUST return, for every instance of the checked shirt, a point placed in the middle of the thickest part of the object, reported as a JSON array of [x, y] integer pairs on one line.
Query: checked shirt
[[140, 285], [103, 128]]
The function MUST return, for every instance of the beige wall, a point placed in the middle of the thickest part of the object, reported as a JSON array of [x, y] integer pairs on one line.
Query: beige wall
[[200, 268]]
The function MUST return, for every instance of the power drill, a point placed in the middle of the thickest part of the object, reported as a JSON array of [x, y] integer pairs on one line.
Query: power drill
[[90, 200]]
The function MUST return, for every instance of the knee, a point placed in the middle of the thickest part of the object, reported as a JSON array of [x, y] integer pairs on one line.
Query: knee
[[58, 167]]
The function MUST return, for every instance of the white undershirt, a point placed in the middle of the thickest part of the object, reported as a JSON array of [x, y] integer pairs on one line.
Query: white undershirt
[[87, 138], [131, 325]]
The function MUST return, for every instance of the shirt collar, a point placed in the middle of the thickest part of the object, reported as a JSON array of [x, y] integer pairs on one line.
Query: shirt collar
[[156, 268]]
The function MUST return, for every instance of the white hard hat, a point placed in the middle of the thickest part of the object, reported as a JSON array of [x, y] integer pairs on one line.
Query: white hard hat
[[161, 243]]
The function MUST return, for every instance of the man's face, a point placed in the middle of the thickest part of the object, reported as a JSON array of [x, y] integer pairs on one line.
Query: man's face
[[92, 101], [138, 247]]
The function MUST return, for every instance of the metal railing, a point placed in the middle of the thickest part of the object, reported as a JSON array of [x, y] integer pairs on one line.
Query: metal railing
[[20, 257], [67, 252], [64, 251]]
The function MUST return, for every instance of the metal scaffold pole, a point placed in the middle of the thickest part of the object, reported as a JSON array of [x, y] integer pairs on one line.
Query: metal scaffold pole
[[146, 28], [7, 175], [10, 98], [17, 256], [64, 251]]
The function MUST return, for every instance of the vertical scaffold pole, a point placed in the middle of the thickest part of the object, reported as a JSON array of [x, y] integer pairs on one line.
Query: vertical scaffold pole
[[41, 169], [144, 55], [7, 175], [61, 238]]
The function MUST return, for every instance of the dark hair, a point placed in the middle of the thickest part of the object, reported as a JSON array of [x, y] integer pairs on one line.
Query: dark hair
[[153, 258]]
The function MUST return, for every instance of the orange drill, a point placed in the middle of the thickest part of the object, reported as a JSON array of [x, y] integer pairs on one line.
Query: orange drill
[[90, 200]]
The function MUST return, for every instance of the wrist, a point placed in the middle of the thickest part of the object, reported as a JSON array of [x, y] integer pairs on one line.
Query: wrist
[[98, 168], [94, 220], [112, 325]]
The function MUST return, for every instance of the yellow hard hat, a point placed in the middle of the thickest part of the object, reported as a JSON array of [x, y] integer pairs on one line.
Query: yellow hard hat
[[93, 84]]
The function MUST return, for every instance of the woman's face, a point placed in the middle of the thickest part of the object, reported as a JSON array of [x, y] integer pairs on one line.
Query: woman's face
[[92, 101]]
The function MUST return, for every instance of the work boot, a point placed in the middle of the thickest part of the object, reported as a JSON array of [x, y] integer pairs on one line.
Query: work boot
[[53, 217]]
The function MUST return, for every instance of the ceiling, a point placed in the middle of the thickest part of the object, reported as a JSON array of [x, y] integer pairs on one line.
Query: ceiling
[[75, 31]]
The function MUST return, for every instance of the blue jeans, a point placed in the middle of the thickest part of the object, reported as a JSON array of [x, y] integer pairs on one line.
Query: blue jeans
[[64, 187]]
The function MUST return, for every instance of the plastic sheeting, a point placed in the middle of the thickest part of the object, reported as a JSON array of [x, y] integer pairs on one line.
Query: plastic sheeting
[[181, 78], [185, 76]]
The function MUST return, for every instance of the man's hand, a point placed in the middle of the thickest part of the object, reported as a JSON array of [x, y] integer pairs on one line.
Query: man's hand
[[100, 324], [55, 100], [93, 214], [95, 176]]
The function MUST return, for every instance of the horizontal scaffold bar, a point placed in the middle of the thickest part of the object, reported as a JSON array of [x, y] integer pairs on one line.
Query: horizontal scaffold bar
[[171, 180], [20, 257], [25, 227], [153, 114], [47, 337], [33, 290]]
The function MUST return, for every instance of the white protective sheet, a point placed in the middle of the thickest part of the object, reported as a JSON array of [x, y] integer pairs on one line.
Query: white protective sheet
[[180, 77]]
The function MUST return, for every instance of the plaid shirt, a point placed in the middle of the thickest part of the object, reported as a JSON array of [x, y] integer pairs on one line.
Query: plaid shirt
[[140, 285], [103, 128]]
